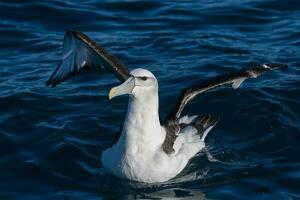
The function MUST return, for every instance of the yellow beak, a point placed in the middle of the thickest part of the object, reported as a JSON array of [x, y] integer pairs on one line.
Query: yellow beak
[[124, 88]]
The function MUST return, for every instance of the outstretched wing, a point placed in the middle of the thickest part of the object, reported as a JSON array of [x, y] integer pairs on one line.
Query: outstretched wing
[[236, 79], [171, 122], [82, 53]]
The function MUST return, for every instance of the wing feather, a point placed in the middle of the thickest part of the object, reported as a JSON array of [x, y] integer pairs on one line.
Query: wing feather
[[172, 122], [82, 53], [235, 79]]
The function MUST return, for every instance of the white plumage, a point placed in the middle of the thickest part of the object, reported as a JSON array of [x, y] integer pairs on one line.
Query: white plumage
[[138, 155], [146, 150]]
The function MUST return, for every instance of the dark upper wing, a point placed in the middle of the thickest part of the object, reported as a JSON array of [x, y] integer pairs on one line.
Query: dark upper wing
[[235, 79], [171, 123], [82, 53]]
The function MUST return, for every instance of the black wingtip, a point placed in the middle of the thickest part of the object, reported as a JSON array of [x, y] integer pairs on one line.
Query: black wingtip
[[79, 35], [74, 33], [275, 65], [49, 83], [71, 32]]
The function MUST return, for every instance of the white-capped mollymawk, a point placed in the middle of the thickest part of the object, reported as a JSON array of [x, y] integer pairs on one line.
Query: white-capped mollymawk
[[148, 149]]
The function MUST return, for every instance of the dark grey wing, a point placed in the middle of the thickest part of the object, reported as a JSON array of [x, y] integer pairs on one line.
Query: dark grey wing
[[171, 123], [236, 79], [82, 53]]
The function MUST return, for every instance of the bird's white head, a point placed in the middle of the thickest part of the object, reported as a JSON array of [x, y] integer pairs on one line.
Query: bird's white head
[[141, 84]]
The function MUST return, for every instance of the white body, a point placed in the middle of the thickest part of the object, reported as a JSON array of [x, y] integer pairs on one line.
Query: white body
[[138, 154]]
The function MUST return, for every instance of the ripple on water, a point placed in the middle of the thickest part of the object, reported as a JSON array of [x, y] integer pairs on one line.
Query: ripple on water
[[51, 139]]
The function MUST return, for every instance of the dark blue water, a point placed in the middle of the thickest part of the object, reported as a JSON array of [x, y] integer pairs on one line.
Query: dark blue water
[[51, 138]]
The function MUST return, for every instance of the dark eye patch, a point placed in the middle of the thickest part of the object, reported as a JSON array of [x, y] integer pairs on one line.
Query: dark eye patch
[[144, 78]]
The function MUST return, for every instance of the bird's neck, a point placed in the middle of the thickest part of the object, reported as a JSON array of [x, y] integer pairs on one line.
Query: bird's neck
[[142, 123], [142, 112]]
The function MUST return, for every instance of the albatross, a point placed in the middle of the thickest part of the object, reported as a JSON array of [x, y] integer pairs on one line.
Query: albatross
[[148, 149]]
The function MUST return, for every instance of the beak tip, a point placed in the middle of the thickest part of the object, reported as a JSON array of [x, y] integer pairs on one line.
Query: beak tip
[[124, 88], [111, 93]]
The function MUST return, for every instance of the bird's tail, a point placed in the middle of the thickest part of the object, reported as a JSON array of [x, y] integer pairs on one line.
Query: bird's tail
[[204, 124]]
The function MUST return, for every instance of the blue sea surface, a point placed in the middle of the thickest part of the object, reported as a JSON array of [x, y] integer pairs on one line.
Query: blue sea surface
[[51, 139]]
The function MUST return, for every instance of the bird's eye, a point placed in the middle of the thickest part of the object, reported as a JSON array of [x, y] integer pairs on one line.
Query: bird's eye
[[144, 78]]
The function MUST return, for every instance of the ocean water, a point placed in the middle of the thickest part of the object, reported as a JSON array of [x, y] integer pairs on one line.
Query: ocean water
[[51, 138]]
